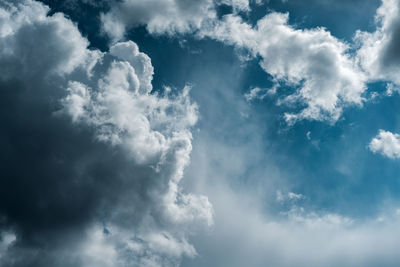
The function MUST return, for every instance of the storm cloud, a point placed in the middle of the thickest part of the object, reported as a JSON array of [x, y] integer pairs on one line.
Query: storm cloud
[[91, 158]]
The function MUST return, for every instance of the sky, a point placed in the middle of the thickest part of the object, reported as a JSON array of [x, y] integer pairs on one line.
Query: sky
[[199, 133]]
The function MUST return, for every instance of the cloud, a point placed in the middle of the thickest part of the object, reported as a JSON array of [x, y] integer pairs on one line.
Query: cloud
[[254, 235], [91, 157], [163, 17], [379, 53], [325, 74], [313, 61], [386, 143], [391, 89], [260, 93], [282, 197], [265, 230], [6, 239]]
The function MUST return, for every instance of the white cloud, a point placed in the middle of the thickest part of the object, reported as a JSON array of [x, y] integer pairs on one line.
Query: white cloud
[[391, 88], [312, 60], [327, 76], [260, 93], [61, 43], [378, 53], [164, 16], [290, 196], [386, 143]]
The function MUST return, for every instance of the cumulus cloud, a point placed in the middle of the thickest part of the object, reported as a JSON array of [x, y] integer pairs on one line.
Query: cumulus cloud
[[327, 77], [386, 143], [163, 17], [92, 159], [379, 53], [314, 61]]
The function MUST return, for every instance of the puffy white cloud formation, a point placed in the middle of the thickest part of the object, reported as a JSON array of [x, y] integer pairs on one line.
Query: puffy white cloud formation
[[102, 156], [312, 60], [386, 143], [327, 77], [165, 16], [379, 53]]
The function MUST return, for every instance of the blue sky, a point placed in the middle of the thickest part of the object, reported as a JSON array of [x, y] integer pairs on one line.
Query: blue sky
[[199, 133]]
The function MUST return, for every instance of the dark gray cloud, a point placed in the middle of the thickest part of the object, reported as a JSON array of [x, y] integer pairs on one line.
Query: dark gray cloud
[[91, 160]]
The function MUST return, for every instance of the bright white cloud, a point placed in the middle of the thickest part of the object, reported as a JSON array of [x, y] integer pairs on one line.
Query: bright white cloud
[[63, 47], [312, 60], [386, 143], [378, 53], [327, 76], [165, 16]]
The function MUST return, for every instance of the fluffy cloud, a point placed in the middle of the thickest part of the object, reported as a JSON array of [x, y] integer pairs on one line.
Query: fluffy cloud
[[313, 61], [387, 144], [165, 16], [327, 77], [379, 53], [91, 160]]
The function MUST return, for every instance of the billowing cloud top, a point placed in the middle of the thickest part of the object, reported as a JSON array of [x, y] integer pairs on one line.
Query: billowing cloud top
[[102, 156]]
